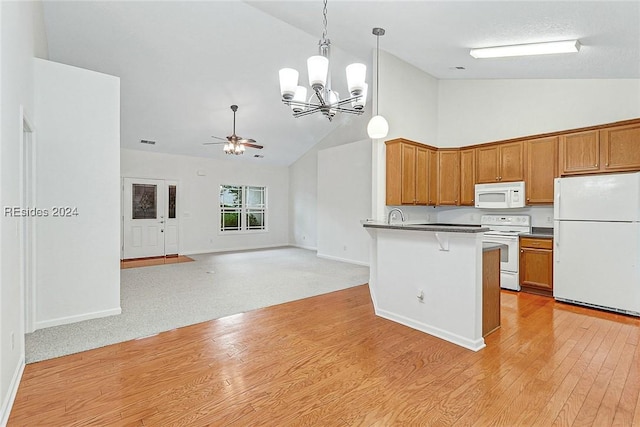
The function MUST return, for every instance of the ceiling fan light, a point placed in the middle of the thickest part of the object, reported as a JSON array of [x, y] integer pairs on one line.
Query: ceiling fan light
[[356, 75], [377, 127], [360, 102], [288, 82], [318, 68]]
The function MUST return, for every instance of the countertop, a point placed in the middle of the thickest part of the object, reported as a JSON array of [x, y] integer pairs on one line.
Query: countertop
[[457, 228], [539, 233]]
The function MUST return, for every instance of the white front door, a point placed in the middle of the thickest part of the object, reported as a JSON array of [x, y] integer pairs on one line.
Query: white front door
[[146, 215]]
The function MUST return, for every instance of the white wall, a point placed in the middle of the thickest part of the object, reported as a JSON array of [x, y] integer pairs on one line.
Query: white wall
[[198, 197], [303, 178], [78, 165], [344, 199], [477, 111], [22, 36], [408, 99]]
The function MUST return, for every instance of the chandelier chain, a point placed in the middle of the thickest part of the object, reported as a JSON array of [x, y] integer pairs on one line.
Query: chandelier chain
[[324, 21]]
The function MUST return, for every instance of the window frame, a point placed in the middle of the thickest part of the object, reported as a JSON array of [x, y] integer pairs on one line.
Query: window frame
[[243, 209]]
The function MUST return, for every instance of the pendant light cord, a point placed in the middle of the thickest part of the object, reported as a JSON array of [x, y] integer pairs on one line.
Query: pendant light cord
[[377, 73]]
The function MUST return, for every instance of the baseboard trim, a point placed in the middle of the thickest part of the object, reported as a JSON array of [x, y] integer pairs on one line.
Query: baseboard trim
[[248, 248], [77, 318], [473, 345], [349, 261], [7, 402], [310, 248]]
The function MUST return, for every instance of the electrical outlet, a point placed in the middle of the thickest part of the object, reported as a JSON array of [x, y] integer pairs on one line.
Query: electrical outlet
[[549, 219], [344, 247], [13, 341]]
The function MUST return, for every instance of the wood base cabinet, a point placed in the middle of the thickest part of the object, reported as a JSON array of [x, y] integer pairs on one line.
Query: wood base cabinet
[[490, 291], [536, 265]]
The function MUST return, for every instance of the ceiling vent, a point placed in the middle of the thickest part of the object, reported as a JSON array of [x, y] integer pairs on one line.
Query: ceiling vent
[[258, 156], [147, 141]]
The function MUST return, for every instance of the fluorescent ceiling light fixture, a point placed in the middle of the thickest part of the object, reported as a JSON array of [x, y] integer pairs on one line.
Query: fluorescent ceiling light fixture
[[566, 46]]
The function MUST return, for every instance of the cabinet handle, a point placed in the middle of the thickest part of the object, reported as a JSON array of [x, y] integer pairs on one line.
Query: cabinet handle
[[528, 199], [521, 251], [596, 165], [500, 178]]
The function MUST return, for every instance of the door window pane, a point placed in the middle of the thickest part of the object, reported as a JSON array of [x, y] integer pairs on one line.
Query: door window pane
[[172, 201], [144, 201]]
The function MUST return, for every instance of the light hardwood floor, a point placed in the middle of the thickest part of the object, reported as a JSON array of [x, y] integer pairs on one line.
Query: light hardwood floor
[[329, 361], [148, 262]]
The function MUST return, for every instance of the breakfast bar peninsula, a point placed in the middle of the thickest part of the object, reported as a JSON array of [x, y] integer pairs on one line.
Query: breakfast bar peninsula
[[430, 277]]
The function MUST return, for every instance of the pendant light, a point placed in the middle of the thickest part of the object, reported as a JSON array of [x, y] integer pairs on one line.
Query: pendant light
[[378, 126]]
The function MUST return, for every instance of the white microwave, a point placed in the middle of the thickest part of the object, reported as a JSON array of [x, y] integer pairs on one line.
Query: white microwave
[[501, 195]]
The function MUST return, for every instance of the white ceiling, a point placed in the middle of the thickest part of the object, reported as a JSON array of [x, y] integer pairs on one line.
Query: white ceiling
[[182, 64]]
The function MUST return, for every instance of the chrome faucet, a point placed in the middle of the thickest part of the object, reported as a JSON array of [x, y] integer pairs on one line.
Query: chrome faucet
[[391, 212]]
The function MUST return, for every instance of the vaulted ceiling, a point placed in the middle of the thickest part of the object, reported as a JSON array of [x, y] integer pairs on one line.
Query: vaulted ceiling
[[182, 64]]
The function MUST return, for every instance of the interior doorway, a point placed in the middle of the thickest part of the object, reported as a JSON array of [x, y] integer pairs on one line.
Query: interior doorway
[[27, 222], [150, 218]]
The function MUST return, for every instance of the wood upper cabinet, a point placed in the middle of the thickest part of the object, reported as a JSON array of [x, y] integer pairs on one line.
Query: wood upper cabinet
[[620, 148], [579, 152], [536, 265], [467, 177], [610, 149], [500, 162], [448, 177], [407, 173], [540, 169], [432, 157]]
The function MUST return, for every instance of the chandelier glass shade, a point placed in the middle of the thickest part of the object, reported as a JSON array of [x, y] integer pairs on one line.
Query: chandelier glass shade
[[323, 98], [234, 148]]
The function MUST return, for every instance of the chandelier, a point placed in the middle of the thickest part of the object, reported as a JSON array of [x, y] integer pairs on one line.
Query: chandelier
[[323, 99]]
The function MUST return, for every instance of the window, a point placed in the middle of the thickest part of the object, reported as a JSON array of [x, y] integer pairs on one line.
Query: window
[[242, 208]]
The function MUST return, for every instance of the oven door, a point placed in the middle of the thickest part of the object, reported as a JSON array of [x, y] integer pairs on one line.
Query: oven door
[[508, 259]]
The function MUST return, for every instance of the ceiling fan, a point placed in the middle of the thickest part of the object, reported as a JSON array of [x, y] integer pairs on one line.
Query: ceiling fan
[[235, 144]]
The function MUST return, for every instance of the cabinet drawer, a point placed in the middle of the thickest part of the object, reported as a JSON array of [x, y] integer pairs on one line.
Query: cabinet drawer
[[531, 242]]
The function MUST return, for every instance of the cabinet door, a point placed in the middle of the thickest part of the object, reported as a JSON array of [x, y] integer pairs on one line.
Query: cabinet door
[[541, 169], [487, 164], [422, 176], [394, 174], [448, 177], [511, 166], [621, 148], [408, 174], [467, 177], [432, 156], [579, 153], [536, 269]]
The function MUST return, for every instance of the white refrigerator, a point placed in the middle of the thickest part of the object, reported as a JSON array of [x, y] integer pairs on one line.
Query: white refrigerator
[[597, 241]]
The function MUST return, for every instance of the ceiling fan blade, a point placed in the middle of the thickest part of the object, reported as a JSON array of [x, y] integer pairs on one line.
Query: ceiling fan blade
[[221, 139], [246, 140], [248, 144], [213, 143]]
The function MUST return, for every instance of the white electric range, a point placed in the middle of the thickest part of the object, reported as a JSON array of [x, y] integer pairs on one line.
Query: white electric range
[[505, 229]]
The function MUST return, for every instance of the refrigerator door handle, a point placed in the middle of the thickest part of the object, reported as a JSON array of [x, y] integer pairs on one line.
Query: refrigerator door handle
[[556, 241], [556, 204]]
